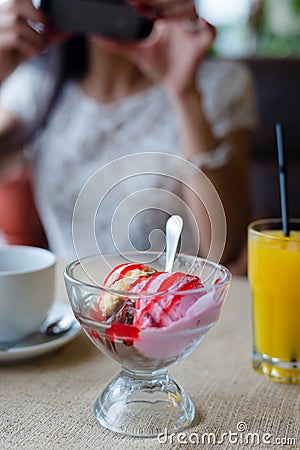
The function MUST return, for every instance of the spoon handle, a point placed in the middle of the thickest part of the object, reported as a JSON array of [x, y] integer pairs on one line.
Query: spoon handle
[[173, 232]]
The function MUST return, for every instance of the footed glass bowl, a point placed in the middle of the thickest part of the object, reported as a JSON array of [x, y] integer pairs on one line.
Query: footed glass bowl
[[143, 399]]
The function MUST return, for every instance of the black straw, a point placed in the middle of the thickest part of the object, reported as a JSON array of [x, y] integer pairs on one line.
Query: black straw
[[282, 179]]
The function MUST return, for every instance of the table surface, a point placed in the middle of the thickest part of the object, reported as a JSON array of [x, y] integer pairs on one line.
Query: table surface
[[46, 403]]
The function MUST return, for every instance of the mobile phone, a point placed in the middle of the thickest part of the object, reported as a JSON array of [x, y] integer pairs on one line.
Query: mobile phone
[[110, 18]]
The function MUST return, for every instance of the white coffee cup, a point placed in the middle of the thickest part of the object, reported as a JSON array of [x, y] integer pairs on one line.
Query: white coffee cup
[[27, 282]]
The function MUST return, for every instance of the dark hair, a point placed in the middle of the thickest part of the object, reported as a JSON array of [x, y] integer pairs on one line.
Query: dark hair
[[74, 64], [74, 57]]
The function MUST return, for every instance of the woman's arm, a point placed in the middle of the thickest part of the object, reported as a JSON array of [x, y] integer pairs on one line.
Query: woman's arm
[[18, 43], [18, 40], [230, 179], [8, 123], [25, 98], [9, 126], [28, 79], [200, 143]]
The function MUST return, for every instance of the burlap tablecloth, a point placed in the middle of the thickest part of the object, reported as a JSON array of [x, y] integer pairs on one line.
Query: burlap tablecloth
[[47, 403]]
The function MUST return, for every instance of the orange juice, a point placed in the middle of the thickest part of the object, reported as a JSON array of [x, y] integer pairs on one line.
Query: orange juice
[[274, 276]]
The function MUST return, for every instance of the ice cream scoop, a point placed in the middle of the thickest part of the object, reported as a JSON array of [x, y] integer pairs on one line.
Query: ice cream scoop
[[168, 305], [120, 279], [160, 303]]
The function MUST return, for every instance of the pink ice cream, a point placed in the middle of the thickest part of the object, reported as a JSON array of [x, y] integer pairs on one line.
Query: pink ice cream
[[170, 316], [167, 308]]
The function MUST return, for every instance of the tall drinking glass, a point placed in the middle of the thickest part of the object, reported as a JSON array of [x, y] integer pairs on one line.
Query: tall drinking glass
[[274, 276]]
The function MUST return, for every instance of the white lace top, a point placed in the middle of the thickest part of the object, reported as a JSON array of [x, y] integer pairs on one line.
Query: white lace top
[[122, 204]]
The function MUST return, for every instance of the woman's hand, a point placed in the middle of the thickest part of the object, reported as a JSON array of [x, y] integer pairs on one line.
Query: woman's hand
[[19, 40], [172, 53]]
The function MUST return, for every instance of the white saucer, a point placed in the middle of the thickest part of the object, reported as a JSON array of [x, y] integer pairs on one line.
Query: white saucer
[[23, 351]]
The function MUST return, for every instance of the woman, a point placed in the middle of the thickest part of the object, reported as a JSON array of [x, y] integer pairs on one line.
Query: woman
[[159, 95]]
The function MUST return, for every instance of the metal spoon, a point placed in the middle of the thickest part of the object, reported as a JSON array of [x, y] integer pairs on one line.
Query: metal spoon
[[57, 327], [47, 332], [173, 232]]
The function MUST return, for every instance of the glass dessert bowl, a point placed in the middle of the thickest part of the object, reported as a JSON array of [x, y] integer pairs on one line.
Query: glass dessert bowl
[[146, 319]]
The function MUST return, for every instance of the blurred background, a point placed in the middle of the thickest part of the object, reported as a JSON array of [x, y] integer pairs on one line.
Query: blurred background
[[266, 28], [265, 36]]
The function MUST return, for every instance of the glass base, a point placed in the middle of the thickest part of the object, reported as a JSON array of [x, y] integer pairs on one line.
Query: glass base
[[144, 405], [276, 370]]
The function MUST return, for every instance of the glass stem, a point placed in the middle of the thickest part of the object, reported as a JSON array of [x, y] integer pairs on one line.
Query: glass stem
[[141, 375]]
